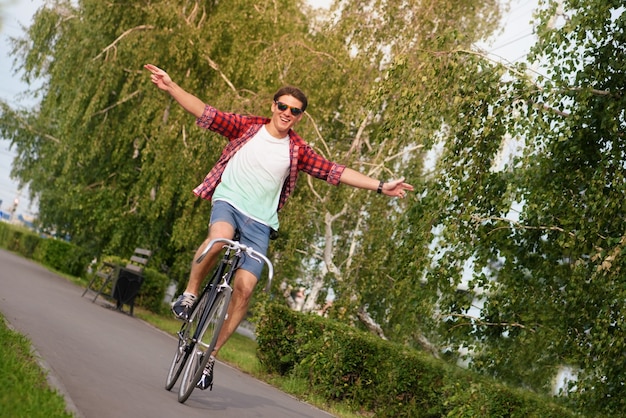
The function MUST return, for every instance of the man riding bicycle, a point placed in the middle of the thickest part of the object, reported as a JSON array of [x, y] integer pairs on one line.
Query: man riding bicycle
[[250, 183]]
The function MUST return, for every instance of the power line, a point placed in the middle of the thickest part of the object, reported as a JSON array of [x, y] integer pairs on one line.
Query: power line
[[11, 190], [512, 41], [7, 153]]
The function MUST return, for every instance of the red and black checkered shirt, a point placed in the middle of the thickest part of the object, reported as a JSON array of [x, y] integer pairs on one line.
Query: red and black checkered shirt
[[239, 129]]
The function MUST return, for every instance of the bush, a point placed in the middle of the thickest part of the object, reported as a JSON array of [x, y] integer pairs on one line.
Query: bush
[[72, 260], [280, 338], [57, 254], [62, 256], [18, 239], [153, 291], [390, 380], [348, 365]]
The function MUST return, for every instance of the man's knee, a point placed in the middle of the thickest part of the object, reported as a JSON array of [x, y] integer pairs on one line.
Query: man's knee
[[245, 282], [221, 229]]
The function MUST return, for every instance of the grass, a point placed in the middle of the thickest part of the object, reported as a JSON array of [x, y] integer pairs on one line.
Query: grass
[[24, 389]]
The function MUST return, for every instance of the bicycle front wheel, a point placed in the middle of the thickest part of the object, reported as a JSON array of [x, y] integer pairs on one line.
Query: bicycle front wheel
[[209, 327], [180, 356], [186, 342]]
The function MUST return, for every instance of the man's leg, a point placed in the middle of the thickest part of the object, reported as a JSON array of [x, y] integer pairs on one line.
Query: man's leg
[[200, 270], [238, 308]]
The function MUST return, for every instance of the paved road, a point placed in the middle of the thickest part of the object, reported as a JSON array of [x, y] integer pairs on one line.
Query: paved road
[[109, 364]]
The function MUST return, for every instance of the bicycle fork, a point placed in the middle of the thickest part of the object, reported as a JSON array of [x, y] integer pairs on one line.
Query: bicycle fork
[[220, 288]]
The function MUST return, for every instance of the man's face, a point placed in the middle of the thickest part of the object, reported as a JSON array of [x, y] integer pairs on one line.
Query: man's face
[[283, 120]]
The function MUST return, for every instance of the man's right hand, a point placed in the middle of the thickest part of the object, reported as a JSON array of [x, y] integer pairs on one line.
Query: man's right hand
[[159, 77], [188, 101]]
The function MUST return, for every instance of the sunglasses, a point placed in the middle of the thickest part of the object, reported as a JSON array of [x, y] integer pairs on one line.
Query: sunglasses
[[282, 107]]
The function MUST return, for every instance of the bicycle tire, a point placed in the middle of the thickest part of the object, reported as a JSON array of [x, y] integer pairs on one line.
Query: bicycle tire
[[209, 328], [185, 342]]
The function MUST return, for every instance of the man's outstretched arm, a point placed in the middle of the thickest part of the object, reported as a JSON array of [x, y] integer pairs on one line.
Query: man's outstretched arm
[[188, 101], [393, 188]]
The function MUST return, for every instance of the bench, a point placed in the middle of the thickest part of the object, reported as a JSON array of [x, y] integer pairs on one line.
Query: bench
[[125, 281]]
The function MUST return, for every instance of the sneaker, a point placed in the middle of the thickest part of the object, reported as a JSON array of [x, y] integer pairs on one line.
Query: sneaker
[[206, 381], [182, 306]]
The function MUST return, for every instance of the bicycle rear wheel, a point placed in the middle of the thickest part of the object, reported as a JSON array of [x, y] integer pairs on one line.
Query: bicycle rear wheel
[[208, 330], [186, 342]]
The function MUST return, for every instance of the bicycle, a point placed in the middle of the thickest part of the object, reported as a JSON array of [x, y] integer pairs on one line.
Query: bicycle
[[198, 334]]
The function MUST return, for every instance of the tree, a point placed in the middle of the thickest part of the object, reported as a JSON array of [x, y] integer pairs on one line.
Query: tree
[[420, 51], [516, 261], [568, 246], [523, 258]]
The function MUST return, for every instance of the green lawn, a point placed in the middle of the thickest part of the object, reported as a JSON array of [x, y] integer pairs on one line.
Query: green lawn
[[24, 390]]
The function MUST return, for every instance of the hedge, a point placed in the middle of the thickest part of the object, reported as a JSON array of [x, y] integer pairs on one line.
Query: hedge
[[390, 380], [54, 253]]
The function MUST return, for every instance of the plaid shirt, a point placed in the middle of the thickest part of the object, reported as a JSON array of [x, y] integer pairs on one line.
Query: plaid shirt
[[239, 130]]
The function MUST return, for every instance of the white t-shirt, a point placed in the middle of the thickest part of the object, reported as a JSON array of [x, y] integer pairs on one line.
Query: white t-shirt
[[254, 177]]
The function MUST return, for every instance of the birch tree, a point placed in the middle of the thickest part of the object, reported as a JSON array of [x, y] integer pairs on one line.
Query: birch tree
[[520, 259]]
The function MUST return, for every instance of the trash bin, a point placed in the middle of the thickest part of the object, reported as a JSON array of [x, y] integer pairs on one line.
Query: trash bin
[[127, 288]]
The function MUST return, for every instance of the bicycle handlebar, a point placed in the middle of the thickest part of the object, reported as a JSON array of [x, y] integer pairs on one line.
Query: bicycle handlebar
[[236, 245]]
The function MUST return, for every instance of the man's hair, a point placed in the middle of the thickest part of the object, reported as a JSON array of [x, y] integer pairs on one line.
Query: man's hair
[[292, 91]]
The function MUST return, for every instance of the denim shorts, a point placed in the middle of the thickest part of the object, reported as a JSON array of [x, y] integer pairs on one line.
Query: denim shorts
[[253, 233]]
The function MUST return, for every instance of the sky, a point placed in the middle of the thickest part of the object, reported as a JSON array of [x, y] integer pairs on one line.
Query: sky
[[511, 45], [13, 13]]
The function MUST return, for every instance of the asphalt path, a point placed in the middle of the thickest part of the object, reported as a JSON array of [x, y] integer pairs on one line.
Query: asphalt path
[[109, 364]]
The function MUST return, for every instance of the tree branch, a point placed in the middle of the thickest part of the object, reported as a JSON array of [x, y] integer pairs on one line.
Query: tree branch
[[119, 38], [193, 14], [513, 70], [319, 135], [478, 321], [33, 130], [214, 65], [328, 238], [367, 320], [312, 187], [302, 45], [124, 100], [99, 183], [356, 143], [550, 108], [519, 225], [379, 167], [607, 262], [426, 345], [404, 151]]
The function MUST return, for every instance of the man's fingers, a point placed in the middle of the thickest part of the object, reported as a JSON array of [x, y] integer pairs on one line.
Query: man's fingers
[[154, 69]]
